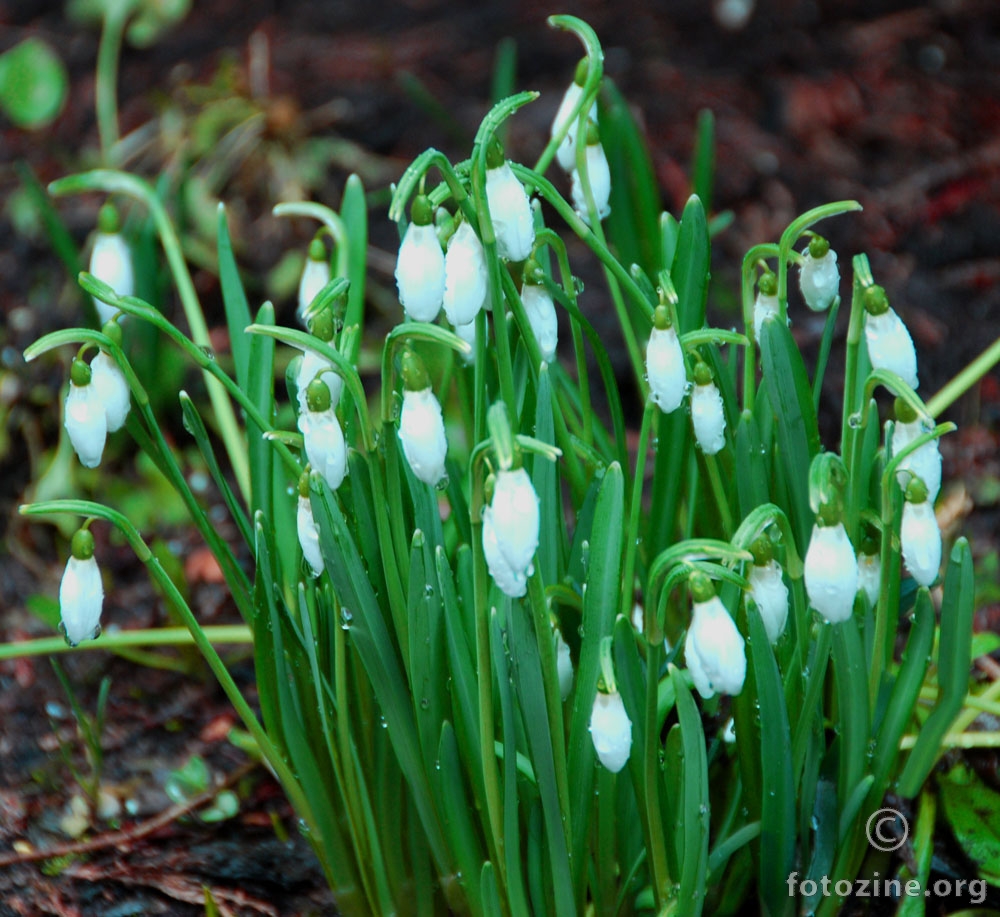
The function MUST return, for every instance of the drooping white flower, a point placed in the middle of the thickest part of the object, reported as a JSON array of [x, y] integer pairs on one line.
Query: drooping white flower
[[420, 266], [890, 346], [599, 173], [707, 413], [665, 369], [510, 212], [541, 312], [308, 533], [315, 276], [112, 388], [85, 419], [466, 283], [421, 431], [566, 151], [81, 592], [870, 576], [920, 539], [831, 572], [564, 665], [111, 260], [924, 462], [770, 594], [611, 730], [324, 440], [510, 531], [714, 650], [819, 277]]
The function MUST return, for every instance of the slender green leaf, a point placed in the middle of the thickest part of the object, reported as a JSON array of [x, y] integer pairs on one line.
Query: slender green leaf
[[234, 299], [690, 267]]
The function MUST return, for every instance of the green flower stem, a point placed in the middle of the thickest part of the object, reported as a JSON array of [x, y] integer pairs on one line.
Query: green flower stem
[[116, 14], [220, 635], [719, 494], [887, 607], [962, 382], [812, 699], [271, 754], [651, 768], [855, 330], [112, 182], [650, 418], [330, 219]]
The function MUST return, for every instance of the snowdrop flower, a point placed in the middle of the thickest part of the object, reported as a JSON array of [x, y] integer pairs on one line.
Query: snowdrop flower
[[919, 535], [766, 304], [925, 461], [890, 346], [315, 276], [564, 665], [665, 367], [111, 260], [307, 529], [768, 590], [312, 366], [611, 730], [566, 151], [420, 265], [466, 283], [326, 450], [541, 312], [510, 531], [599, 175], [112, 388], [421, 426], [86, 421], [831, 571], [819, 277], [870, 576], [81, 593], [713, 648], [707, 414], [510, 210]]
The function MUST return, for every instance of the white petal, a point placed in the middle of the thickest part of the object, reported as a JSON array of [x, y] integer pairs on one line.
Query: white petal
[[111, 261], [86, 423], [466, 283], [770, 594], [870, 576], [566, 151], [600, 184], [109, 380], [308, 533], [764, 307], [611, 731], [312, 365], [420, 273], [665, 369], [564, 666], [924, 461], [468, 334], [511, 582], [516, 516], [325, 446], [315, 276], [819, 280], [714, 650], [708, 417], [421, 431], [510, 212], [831, 572], [81, 597], [920, 538], [541, 312], [890, 346]]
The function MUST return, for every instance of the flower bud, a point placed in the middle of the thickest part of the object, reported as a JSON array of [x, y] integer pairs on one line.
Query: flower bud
[[611, 730], [714, 648], [925, 461], [566, 151], [466, 282], [112, 388], [920, 535], [510, 531], [85, 419], [599, 174], [420, 266], [665, 368], [308, 533], [111, 260], [421, 431], [315, 276], [510, 212], [819, 277], [831, 572], [707, 413], [890, 346], [541, 311], [81, 592], [468, 334], [770, 595], [766, 305], [325, 448]]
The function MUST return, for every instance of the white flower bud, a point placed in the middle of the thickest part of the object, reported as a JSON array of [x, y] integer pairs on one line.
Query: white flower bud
[[611, 731], [308, 533], [312, 365], [599, 174], [541, 312], [112, 388], [665, 369], [770, 594], [315, 276], [86, 423], [421, 431], [325, 446], [924, 462], [870, 576], [564, 665], [819, 280], [566, 151], [111, 262], [510, 531], [466, 282], [714, 650], [81, 597], [420, 272], [890, 346], [468, 334], [764, 307], [831, 572], [510, 212], [920, 538], [708, 417]]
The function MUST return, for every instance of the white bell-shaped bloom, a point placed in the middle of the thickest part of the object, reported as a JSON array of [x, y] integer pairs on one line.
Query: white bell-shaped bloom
[[86, 423], [510, 531], [308, 533], [765, 306], [315, 276], [890, 346], [708, 418], [541, 310], [611, 730], [81, 597], [466, 282], [313, 365], [665, 369], [599, 174], [510, 212], [714, 650], [924, 462], [421, 431], [564, 665], [111, 262], [566, 151], [325, 446], [920, 538], [870, 576], [112, 387], [770, 594], [420, 272], [831, 572], [819, 280]]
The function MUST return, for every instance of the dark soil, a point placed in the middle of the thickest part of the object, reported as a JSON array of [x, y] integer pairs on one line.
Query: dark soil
[[892, 103]]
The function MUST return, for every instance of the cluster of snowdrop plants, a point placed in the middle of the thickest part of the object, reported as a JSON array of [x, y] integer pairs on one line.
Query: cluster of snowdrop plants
[[506, 664]]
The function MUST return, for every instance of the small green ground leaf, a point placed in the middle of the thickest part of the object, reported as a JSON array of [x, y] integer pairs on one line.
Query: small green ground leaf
[[973, 809]]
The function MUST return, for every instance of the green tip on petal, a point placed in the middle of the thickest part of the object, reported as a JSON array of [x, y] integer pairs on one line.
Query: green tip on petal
[[111, 329], [494, 154], [582, 69], [916, 491], [829, 514], [107, 219], [422, 211], [768, 283], [904, 411], [318, 396], [411, 368], [321, 325], [703, 374], [701, 586], [317, 249], [818, 247], [661, 318], [80, 373], [762, 550], [82, 545], [875, 300], [304, 483]]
